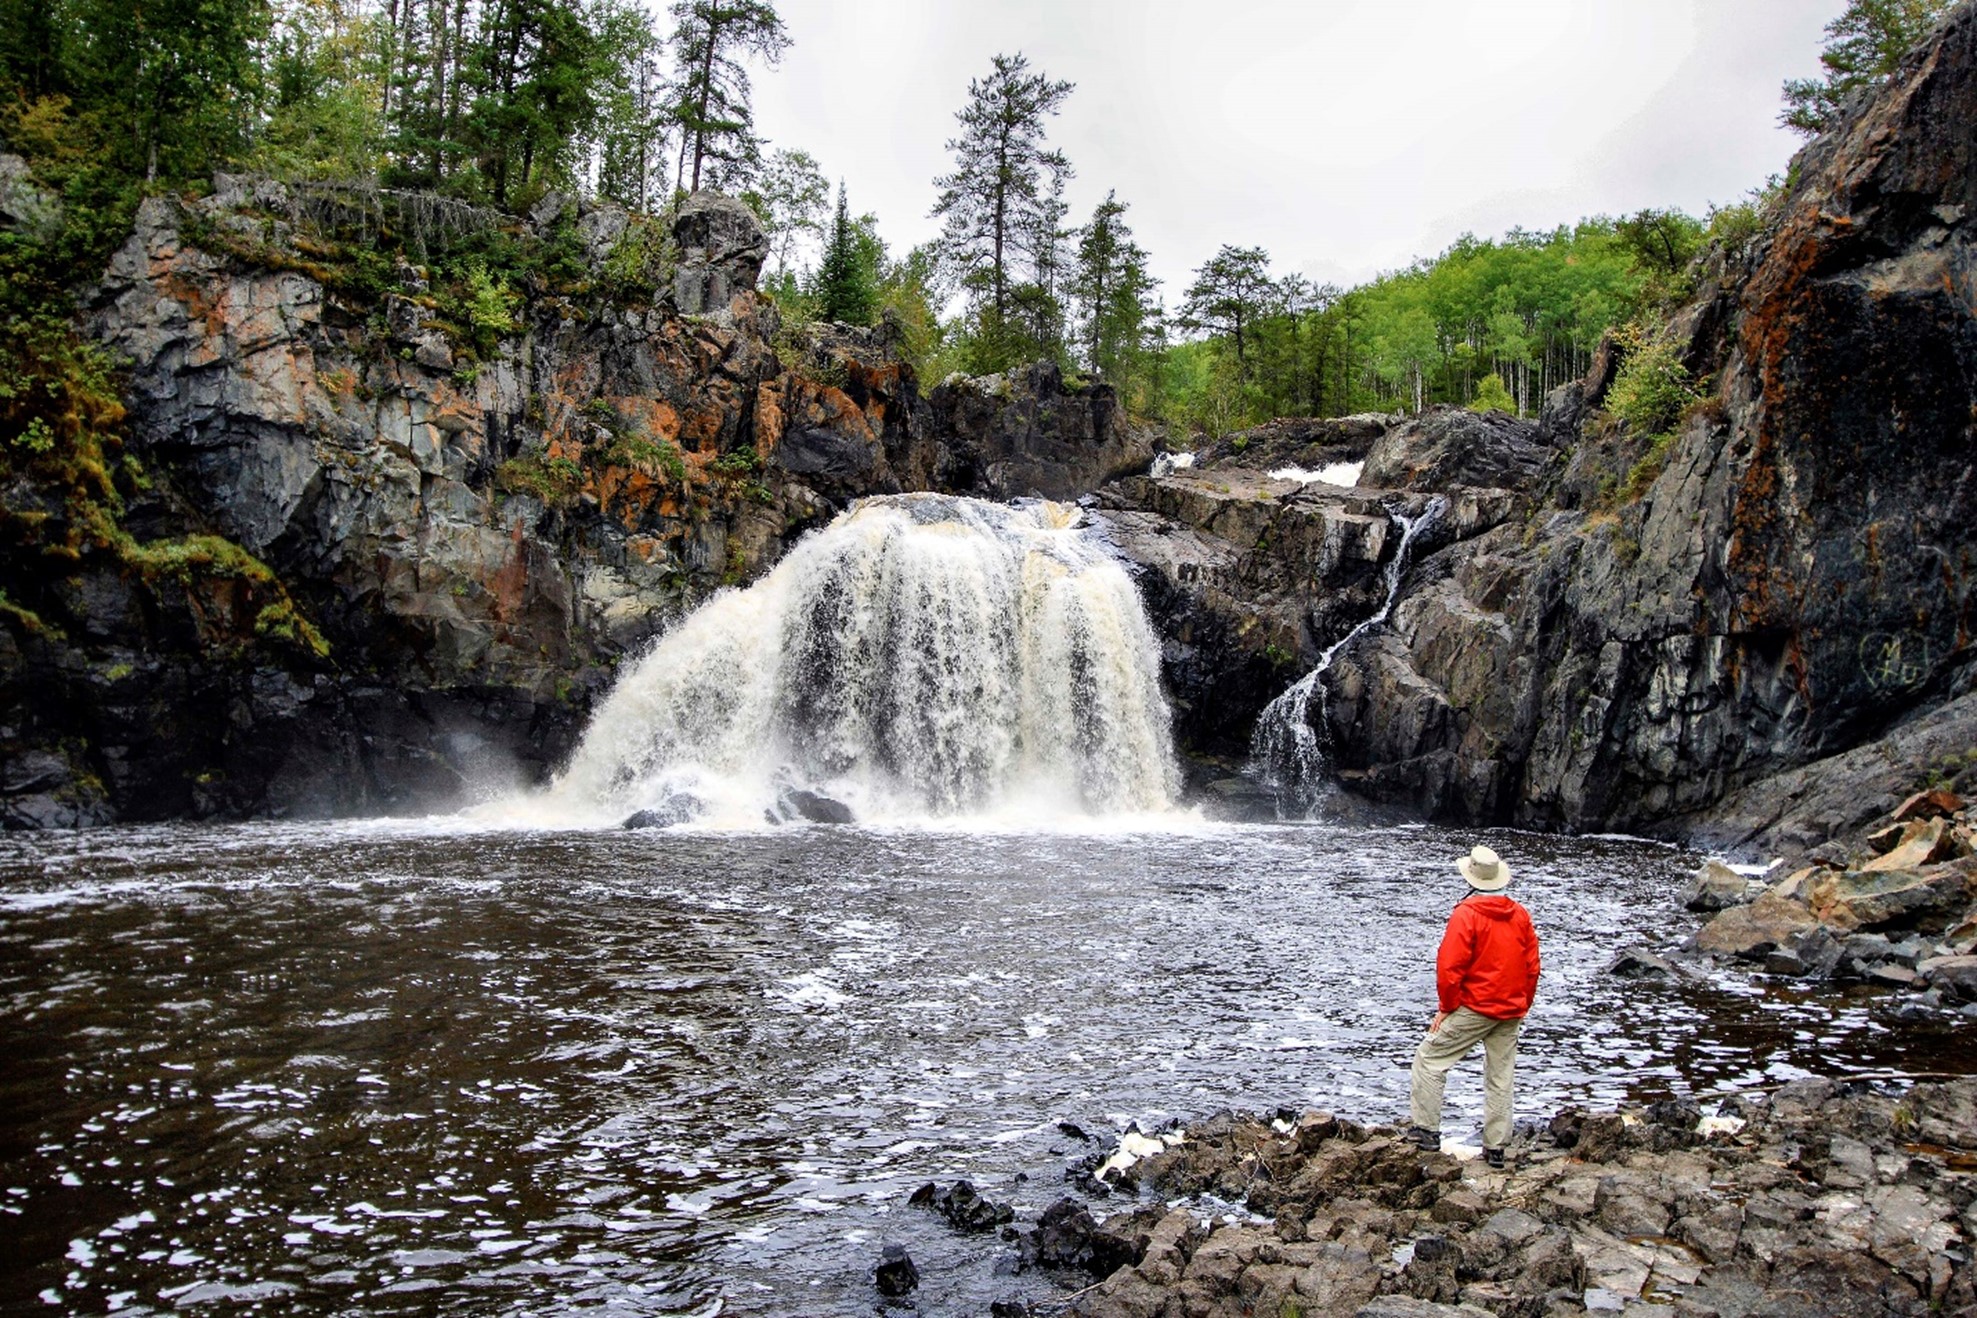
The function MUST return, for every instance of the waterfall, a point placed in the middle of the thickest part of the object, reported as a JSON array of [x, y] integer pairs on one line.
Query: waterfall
[[1286, 752], [922, 655]]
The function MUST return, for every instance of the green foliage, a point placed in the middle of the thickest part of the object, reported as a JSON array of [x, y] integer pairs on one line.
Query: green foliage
[[710, 102], [641, 451], [738, 462], [487, 306], [1491, 396], [194, 558], [1652, 389], [280, 621], [1864, 46], [1002, 210], [552, 480], [793, 199], [1116, 313], [1529, 308], [846, 287], [1231, 291]]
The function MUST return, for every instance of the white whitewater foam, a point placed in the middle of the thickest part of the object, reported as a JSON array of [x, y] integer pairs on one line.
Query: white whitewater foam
[[923, 656], [1332, 473]]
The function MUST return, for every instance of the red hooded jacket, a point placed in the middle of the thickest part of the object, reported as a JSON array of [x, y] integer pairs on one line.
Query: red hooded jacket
[[1489, 958]]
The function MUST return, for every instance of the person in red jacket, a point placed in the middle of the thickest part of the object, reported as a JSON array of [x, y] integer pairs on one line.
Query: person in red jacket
[[1485, 975]]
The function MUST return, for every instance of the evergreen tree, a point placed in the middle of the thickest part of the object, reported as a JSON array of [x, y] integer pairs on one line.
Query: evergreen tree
[[173, 86], [635, 116], [1003, 205], [536, 81], [1230, 293], [846, 287], [1864, 45], [718, 146], [1118, 322]]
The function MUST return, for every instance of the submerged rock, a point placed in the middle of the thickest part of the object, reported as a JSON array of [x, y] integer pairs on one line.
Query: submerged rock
[[1638, 961], [680, 808], [797, 803], [964, 1207]]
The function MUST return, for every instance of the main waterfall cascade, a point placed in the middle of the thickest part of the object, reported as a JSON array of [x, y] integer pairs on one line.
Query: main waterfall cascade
[[1286, 751], [922, 655]]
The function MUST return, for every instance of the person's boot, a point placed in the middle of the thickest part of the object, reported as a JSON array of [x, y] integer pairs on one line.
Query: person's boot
[[1494, 1157], [1428, 1141]]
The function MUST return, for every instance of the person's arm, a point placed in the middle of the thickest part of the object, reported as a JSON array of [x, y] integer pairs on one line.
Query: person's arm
[[1536, 962], [1452, 962]]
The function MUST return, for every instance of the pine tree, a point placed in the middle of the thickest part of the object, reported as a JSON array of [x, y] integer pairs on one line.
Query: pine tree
[[1864, 45], [1003, 203], [718, 146], [1117, 319], [1232, 290], [846, 288]]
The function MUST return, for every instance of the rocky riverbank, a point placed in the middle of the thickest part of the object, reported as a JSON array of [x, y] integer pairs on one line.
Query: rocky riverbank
[[1893, 904], [1821, 1200]]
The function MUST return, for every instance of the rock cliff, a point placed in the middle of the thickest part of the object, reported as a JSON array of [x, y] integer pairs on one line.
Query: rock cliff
[[473, 514], [1619, 631]]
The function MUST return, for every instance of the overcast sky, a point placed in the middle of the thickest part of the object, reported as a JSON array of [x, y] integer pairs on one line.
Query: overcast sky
[[1346, 137]]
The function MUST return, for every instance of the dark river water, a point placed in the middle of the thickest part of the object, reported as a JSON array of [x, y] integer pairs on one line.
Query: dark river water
[[411, 1068]]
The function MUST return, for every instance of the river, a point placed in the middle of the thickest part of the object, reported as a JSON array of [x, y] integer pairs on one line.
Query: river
[[435, 1067]]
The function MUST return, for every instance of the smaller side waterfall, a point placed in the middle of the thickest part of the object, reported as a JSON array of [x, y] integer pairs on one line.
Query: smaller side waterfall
[[1287, 752]]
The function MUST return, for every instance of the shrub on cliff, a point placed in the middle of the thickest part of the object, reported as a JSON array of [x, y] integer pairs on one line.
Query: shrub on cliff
[[1653, 389]]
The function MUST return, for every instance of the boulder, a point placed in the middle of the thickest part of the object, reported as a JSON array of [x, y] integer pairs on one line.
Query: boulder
[[1922, 842], [721, 249], [797, 803], [678, 808], [1931, 803], [1715, 887], [1067, 1236], [895, 1275], [1755, 930], [1954, 976], [1872, 899], [1450, 446], [24, 204]]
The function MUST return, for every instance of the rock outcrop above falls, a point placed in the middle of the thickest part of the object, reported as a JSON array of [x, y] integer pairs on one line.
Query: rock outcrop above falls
[[476, 510]]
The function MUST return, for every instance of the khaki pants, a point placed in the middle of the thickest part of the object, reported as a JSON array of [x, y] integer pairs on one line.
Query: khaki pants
[[1461, 1032]]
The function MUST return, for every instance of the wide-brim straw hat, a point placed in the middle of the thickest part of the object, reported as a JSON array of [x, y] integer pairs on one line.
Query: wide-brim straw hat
[[1485, 870]]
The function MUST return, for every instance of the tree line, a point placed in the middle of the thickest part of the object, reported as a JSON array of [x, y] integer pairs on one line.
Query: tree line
[[501, 101]]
